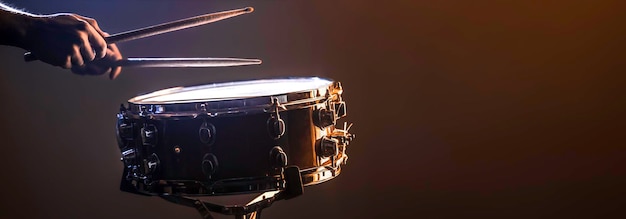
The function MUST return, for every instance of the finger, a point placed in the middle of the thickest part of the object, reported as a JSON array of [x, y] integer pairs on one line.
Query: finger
[[86, 50], [98, 70], [114, 52], [92, 68], [114, 55], [77, 58], [68, 62], [115, 72], [57, 57], [103, 66], [82, 40], [97, 41], [92, 22]]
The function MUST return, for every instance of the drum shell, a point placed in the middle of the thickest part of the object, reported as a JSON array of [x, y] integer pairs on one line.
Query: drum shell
[[241, 144]]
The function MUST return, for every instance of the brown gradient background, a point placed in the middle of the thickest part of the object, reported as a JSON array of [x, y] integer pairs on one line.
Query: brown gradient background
[[463, 109]]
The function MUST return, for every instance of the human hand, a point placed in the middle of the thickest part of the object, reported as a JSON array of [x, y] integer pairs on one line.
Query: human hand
[[72, 41], [102, 66]]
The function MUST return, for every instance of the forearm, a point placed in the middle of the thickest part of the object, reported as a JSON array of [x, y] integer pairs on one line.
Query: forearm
[[65, 40], [13, 26]]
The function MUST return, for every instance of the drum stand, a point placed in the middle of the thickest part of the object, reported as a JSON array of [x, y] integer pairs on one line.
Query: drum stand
[[252, 210]]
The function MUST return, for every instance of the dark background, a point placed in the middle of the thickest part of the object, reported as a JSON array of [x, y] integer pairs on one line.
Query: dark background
[[463, 109]]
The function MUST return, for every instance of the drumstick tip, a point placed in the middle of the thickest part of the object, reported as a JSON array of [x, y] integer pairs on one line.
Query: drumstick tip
[[248, 9]]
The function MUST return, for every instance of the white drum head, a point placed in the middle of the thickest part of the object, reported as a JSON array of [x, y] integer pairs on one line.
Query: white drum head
[[231, 90]]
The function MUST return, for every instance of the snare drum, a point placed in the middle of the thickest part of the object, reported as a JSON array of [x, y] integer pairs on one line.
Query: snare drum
[[232, 138]]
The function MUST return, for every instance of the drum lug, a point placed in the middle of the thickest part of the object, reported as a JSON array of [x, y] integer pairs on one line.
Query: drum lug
[[276, 125], [327, 147], [323, 118], [335, 143], [151, 164], [278, 157], [209, 165], [149, 135], [207, 133], [124, 131], [123, 109], [201, 107], [142, 111]]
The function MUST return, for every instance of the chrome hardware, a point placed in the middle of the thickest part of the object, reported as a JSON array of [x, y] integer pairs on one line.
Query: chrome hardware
[[340, 109], [201, 107], [293, 180], [151, 164], [278, 157], [142, 111], [149, 135], [335, 144], [335, 108], [336, 88], [177, 149], [317, 90], [276, 125], [207, 133], [343, 138], [122, 109], [327, 147], [125, 131], [209, 164], [323, 118], [128, 155], [342, 135]]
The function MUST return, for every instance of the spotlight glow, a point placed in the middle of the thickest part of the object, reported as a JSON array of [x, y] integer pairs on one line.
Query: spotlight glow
[[231, 90]]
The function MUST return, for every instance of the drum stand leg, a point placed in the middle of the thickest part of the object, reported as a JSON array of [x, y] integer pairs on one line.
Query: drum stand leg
[[253, 209]]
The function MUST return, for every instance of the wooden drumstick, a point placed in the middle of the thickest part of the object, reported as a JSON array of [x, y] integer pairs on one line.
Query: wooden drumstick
[[184, 62], [165, 27], [176, 25]]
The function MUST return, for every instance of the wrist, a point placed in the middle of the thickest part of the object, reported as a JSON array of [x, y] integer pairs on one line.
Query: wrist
[[15, 28], [12, 28]]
